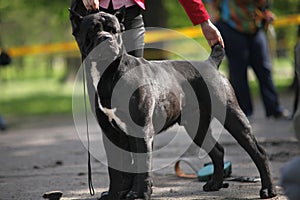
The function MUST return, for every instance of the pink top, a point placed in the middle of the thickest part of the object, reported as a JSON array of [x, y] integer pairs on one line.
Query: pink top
[[194, 8], [117, 4]]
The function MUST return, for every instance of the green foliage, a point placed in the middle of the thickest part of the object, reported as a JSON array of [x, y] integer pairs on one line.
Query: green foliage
[[286, 36], [35, 97], [33, 21], [176, 14], [286, 7]]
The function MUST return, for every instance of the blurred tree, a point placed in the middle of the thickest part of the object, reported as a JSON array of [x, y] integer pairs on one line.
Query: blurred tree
[[286, 36], [34, 21], [290, 7], [176, 14]]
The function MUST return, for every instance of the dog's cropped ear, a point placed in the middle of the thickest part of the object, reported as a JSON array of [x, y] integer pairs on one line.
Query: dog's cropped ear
[[76, 19], [120, 14], [75, 14]]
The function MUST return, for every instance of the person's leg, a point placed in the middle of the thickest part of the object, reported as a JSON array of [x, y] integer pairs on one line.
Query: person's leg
[[2, 124], [133, 36], [236, 48], [261, 64]]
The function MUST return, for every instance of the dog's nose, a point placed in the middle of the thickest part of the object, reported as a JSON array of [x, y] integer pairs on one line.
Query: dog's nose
[[102, 39]]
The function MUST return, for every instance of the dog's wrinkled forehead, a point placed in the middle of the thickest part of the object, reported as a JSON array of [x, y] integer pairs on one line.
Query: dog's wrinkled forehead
[[100, 21]]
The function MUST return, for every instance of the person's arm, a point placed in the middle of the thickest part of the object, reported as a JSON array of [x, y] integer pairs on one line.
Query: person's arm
[[195, 10], [91, 4], [211, 33], [198, 14]]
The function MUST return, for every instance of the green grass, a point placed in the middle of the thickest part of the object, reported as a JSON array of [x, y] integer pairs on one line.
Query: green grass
[[35, 97]]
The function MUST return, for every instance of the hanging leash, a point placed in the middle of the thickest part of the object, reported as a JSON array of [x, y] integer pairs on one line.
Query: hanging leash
[[90, 180]]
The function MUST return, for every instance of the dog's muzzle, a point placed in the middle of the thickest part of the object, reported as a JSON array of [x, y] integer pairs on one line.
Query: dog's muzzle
[[104, 46]]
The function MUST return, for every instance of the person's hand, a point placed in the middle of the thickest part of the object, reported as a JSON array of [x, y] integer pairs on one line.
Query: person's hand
[[211, 33], [269, 16], [91, 4]]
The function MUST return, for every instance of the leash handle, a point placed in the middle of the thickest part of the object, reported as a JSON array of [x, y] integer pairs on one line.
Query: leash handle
[[181, 174], [90, 180]]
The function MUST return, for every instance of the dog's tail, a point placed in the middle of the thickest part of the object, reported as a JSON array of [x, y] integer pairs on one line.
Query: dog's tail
[[217, 55]]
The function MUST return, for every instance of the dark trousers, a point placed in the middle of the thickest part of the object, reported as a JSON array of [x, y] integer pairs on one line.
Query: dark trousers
[[134, 34], [242, 51]]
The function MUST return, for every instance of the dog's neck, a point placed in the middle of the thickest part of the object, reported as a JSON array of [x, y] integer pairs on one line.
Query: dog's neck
[[96, 68]]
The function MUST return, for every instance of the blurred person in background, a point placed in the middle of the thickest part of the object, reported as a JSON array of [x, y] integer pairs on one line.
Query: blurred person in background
[[242, 24], [5, 60]]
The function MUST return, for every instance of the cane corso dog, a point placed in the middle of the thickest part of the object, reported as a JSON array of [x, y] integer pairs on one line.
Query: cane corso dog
[[134, 99]]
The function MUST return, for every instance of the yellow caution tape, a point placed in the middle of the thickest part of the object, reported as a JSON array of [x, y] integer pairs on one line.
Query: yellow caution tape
[[150, 37]]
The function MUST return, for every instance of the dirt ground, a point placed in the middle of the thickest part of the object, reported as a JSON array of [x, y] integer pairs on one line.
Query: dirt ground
[[41, 154]]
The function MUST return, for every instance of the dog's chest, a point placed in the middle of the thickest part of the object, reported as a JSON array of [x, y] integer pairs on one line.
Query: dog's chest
[[147, 88]]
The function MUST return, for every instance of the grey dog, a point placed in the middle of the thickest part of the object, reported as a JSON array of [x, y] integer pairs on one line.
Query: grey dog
[[134, 99]]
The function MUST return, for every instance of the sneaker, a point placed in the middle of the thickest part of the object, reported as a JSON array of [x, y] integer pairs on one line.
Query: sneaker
[[2, 124], [283, 115]]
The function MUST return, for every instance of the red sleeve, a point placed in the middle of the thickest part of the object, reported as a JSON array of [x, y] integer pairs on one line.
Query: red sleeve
[[195, 10]]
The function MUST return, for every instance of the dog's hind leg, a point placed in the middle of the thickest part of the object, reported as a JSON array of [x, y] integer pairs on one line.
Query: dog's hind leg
[[216, 153], [202, 136], [239, 127]]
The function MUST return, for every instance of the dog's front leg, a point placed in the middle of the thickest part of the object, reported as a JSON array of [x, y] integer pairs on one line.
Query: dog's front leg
[[119, 164], [119, 159], [142, 157]]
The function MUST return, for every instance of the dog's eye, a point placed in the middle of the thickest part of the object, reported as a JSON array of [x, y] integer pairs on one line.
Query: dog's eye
[[90, 34], [114, 31], [110, 29], [97, 27]]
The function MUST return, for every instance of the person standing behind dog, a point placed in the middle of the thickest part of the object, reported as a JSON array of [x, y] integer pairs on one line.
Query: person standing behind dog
[[134, 21], [242, 24]]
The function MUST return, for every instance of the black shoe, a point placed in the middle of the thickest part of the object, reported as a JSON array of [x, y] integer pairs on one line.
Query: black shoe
[[2, 124], [283, 115]]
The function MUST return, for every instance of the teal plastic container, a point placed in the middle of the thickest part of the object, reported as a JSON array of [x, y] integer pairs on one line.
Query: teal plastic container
[[205, 173]]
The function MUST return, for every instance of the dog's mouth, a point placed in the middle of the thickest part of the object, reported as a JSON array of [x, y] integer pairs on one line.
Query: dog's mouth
[[103, 36], [105, 46]]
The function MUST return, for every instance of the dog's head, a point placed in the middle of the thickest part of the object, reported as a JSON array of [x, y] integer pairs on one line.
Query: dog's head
[[100, 28]]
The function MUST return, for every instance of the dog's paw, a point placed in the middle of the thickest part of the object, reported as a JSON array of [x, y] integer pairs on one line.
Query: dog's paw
[[212, 186], [132, 195], [104, 196], [267, 193]]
